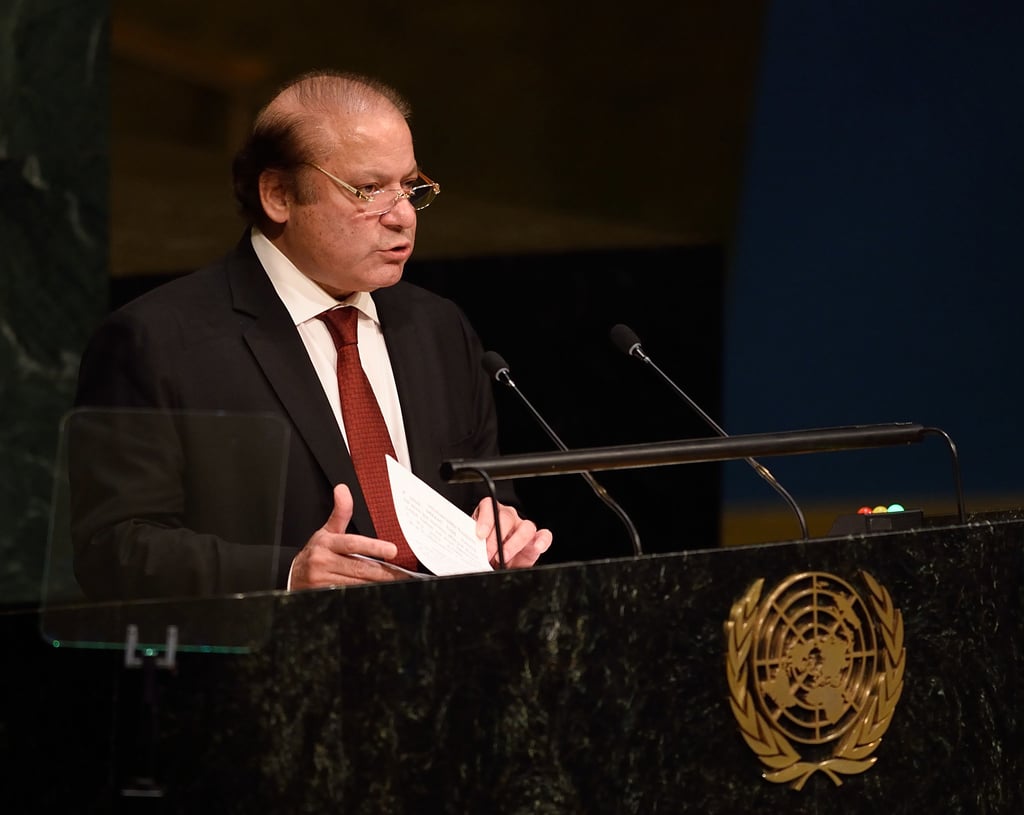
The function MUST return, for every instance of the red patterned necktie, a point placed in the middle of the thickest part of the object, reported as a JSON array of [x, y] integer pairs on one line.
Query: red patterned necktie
[[368, 437]]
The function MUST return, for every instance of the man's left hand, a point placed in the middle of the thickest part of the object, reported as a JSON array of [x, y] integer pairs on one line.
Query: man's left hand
[[522, 542]]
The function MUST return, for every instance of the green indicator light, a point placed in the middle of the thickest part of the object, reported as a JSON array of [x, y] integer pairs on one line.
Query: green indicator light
[[149, 652], [56, 643], [896, 508]]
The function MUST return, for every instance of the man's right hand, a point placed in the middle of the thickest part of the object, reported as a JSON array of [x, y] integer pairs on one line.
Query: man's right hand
[[325, 559]]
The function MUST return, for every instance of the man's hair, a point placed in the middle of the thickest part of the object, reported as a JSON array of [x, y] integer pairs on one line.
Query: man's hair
[[294, 128]]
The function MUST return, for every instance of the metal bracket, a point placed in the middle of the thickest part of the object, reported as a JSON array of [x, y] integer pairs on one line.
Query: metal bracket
[[131, 647]]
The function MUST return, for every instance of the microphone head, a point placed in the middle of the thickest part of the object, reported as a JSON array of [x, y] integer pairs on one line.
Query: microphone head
[[495, 365], [625, 339]]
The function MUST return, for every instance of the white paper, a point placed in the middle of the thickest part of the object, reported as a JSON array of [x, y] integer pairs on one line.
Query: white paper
[[441, 535]]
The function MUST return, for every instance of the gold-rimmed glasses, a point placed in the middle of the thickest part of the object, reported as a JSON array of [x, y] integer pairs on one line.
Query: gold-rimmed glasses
[[420, 193]]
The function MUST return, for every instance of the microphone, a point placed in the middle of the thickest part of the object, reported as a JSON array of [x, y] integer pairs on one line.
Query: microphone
[[625, 339], [496, 367]]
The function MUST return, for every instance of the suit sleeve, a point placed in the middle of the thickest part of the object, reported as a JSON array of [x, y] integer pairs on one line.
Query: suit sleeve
[[143, 523]]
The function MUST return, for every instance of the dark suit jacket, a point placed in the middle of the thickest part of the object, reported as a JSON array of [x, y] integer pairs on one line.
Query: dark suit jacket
[[178, 508]]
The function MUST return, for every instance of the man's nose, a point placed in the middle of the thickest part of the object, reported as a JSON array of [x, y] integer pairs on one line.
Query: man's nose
[[402, 214]]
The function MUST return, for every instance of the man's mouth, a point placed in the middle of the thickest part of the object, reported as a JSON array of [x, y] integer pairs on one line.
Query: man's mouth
[[402, 250]]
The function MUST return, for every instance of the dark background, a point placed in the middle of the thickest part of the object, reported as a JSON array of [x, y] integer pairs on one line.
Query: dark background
[[876, 264], [855, 169], [810, 213]]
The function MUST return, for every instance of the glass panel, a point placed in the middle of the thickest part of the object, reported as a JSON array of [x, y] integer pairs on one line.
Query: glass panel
[[163, 519]]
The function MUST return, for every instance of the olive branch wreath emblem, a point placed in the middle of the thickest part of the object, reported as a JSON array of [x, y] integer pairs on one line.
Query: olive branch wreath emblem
[[852, 753]]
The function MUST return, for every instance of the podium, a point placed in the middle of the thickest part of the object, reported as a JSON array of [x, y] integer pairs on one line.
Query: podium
[[616, 686]]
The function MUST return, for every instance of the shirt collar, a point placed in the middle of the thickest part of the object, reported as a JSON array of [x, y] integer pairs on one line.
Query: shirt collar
[[303, 298]]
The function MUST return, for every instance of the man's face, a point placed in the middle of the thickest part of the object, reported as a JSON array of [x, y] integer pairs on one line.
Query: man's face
[[329, 237]]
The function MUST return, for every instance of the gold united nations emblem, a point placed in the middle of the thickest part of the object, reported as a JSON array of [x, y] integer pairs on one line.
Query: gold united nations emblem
[[814, 669]]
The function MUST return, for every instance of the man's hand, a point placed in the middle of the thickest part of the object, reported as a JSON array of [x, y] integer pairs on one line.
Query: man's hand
[[522, 542], [325, 561]]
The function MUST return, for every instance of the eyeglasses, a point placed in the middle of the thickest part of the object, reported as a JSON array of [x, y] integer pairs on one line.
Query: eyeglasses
[[420, 194]]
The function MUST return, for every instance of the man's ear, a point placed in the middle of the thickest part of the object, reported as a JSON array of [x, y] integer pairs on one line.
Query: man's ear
[[275, 195]]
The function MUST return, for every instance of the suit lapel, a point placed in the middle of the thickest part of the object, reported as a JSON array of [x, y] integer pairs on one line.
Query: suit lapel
[[282, 357]]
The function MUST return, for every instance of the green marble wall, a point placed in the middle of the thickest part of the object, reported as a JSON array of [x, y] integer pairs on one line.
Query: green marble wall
[[54, 161]]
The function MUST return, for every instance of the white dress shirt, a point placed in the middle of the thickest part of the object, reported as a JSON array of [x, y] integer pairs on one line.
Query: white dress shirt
[[304, 300]]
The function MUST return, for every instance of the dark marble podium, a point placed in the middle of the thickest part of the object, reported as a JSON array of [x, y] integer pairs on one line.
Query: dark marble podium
[[583, 688]]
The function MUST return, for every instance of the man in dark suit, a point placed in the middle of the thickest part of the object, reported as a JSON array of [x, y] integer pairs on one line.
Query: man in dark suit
[[331, 186]]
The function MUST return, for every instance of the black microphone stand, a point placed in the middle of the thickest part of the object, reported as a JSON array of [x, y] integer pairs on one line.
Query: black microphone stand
[[627, 341], [497, 367]]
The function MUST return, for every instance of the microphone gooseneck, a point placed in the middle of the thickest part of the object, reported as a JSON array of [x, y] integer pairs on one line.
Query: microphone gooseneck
[[496, 367], [625, 339]]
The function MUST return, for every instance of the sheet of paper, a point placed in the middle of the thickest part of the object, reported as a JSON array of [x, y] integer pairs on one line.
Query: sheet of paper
[[441, 535]]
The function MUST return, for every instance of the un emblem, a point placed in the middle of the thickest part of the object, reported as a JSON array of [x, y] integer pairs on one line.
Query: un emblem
[[813, 668]]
